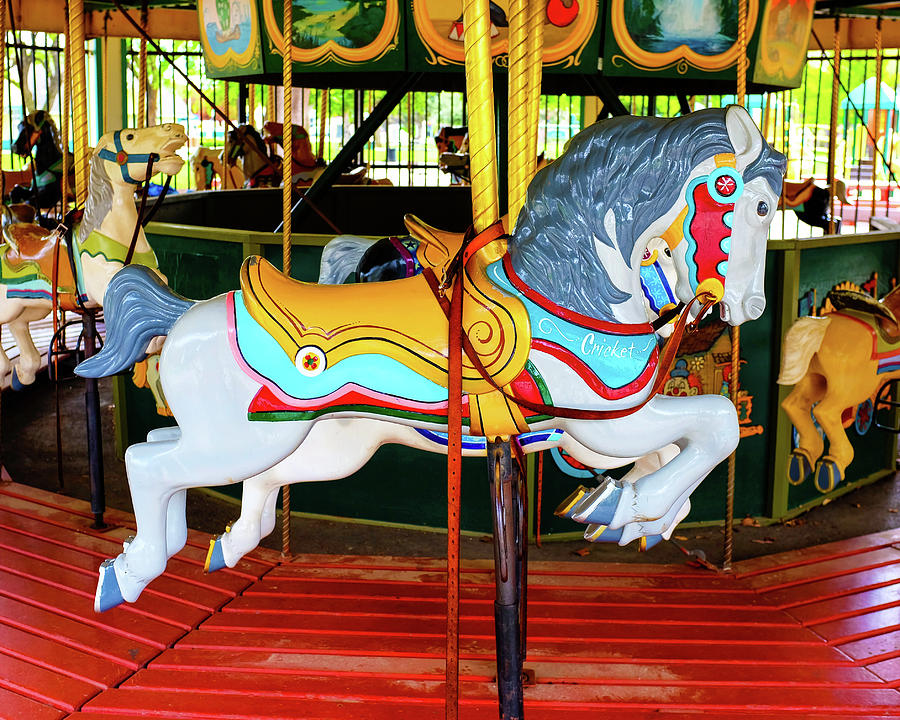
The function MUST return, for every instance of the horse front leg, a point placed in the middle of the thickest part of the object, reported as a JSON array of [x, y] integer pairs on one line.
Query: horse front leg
[[29, 357], [798, 406], [704, 427]]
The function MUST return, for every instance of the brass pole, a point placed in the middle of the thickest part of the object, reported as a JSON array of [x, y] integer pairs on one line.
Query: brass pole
[[879, 56], [735, 330], [518, 103], [79, 98], [832, 132], [287, 80], [480, 100]]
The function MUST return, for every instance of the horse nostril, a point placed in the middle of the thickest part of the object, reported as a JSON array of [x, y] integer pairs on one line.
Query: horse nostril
[[754, 306]]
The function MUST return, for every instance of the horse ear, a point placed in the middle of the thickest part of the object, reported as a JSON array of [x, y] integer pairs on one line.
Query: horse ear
[[744, 135]]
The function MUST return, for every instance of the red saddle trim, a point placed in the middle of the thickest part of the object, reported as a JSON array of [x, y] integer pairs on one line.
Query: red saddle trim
[[571, 316]]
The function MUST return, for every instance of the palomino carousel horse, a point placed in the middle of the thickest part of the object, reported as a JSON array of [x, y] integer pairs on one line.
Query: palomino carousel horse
[[101, 240], [836, 362], [38, 132], [206, 164], [289, 380]]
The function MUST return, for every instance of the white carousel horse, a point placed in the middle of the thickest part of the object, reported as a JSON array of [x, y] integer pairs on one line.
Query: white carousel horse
[[206, 164], [340, 259], [102, 238], [308, 387]]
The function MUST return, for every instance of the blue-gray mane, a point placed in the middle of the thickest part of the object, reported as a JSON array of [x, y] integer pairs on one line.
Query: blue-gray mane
[[634, 166]]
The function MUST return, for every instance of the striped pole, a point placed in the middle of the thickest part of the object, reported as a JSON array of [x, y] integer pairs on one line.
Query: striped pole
[[734, 384], [519, 103], [79, 98], [287, 81]]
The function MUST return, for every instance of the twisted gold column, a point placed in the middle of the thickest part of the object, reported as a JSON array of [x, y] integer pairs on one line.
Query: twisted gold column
[[518, 103], [142, 73], [536, 15], [480, 94], [79, 98]]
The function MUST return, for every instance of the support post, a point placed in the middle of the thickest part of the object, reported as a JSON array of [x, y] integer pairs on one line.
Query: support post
[[353, 146], [506, 481], [94, 428]]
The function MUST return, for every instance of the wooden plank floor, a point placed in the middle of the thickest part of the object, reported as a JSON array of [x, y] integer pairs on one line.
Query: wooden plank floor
[[814, 633]]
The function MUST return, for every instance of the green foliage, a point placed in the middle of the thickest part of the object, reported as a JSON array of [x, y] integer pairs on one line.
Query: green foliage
[[365, 26], [641, 17]]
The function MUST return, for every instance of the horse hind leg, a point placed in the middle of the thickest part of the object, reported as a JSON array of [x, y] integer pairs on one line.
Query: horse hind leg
[[333, 449], [830, 469], [798, 406]]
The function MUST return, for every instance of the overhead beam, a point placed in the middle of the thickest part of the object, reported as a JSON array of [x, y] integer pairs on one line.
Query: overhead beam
[[856, 33], [50, 16]]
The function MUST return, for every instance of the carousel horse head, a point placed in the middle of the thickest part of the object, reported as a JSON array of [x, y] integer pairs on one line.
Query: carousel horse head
[[38, 133], [259, 169], [301, 147], [706, 183], [38, 130], [126, 153]]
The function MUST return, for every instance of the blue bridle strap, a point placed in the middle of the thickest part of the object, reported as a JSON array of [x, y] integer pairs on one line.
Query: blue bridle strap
[[122, 158]]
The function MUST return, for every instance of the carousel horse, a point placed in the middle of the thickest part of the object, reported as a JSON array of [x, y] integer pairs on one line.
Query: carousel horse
[[836, 362], [810, 202], [260, 169], [100, 241], [206, 165], [38, 133], [453, 152], [285, 379]]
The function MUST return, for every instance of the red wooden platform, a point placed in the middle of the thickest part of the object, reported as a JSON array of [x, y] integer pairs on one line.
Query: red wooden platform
[[816, 633]]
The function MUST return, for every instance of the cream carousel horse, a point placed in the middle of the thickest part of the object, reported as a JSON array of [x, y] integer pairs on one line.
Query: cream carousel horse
[[206, 164], [286, 381], [101, 240]]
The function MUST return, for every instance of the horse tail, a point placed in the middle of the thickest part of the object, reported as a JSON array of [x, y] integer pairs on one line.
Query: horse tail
[[340, 258], [138, 306], [803, 340]]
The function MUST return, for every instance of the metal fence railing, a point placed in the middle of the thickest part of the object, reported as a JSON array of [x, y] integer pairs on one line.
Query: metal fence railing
[[796, 122]]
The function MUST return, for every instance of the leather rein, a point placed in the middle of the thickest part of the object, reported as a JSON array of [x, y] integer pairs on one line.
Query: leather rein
[[454, 277]]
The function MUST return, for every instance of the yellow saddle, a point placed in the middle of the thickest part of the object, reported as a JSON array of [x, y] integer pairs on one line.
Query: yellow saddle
[[400, 319]]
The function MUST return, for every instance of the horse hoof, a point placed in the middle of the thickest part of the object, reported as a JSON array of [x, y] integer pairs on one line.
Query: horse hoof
[[601, 533], [598, 507], [799, 467], [126, 543], [215, 559], [828, 475], [565, 508], [108, 594], [14, 381], [649, 541]]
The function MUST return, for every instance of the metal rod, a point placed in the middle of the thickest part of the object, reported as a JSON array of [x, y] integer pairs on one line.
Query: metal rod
[[94, 428], [384, 107], [502, 471]]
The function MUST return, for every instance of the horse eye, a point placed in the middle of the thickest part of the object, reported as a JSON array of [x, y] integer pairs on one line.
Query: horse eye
[[762, 209], [129, 136], [668, 252]]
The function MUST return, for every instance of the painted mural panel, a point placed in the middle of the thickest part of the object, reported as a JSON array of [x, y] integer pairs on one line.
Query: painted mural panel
[[674, 37], [229, 35], [569, 28], [338, 32], [783, 40]]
